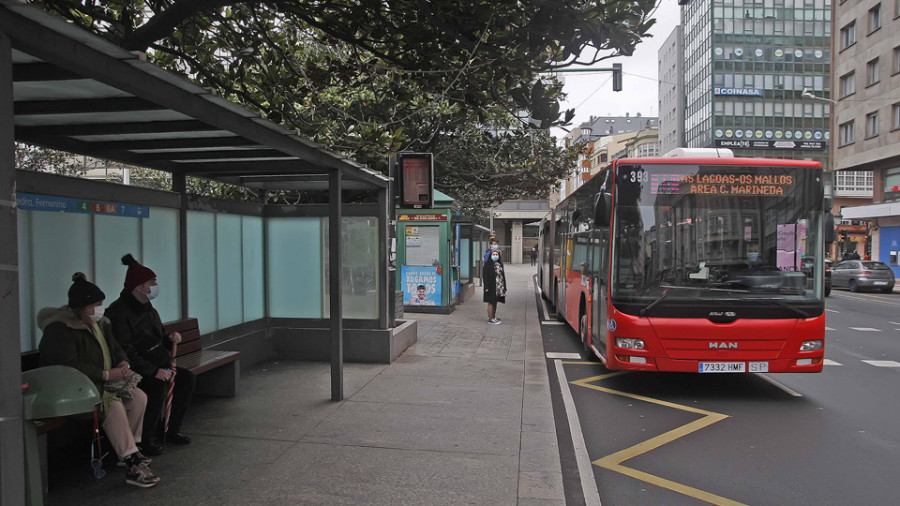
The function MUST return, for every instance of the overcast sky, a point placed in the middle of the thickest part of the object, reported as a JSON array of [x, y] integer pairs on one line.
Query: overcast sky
[[591, 94]]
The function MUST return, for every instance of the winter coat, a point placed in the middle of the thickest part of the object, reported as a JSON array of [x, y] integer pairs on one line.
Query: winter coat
[[139, 329], [67, 340], [489, 281]]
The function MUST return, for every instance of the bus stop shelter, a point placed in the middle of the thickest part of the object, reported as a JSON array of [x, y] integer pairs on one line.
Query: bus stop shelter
[[66, 89]]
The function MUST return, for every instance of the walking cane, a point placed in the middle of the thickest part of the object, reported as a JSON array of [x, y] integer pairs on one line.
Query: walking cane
[[168, 411]]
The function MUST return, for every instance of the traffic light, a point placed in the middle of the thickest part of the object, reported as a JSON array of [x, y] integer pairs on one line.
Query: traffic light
[[617, 76]]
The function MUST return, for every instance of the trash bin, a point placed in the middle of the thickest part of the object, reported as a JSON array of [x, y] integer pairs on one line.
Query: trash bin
[[52, 391]]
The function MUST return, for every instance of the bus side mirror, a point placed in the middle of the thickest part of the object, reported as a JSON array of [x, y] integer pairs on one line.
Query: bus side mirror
[[602, 209]]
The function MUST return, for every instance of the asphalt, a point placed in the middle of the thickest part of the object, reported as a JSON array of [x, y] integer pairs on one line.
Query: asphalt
[[464, 416]]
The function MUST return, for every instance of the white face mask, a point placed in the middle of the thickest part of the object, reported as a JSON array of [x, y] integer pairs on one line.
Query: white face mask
[[154, 291], [98, 313], [495, 257], [495, 246]]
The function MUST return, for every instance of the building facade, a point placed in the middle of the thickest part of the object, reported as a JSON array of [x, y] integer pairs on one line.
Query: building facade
[[671, 92], [867, 116], [746, 66]]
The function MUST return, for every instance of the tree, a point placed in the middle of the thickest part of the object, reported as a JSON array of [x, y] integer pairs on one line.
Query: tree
[[369, 78]]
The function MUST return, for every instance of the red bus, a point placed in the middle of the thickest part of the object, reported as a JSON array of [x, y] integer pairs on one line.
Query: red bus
[[695, 262]]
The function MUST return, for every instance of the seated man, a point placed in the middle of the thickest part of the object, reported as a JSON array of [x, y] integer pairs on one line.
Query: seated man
[[138, 327]]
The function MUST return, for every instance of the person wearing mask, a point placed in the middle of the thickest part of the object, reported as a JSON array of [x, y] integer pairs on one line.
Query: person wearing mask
[[493, 279], [495, 246], [78, 335], [139, 328]]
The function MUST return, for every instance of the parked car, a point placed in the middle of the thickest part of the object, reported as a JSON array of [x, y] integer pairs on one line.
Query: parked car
[[859, 274], [827, 278]]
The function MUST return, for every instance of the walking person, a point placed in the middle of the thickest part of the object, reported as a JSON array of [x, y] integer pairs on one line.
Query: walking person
[[534, 255], [140, 330], [493, 279], [78, 335], [494, 246]]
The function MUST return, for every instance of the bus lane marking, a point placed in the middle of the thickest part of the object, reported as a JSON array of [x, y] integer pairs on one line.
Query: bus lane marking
[[582, 459], [614, 462]]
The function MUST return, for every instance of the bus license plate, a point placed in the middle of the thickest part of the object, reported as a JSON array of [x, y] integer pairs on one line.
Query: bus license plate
[[723, 366], [880, 283]]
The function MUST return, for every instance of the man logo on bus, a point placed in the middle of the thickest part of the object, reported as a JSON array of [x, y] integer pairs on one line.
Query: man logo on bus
[[723, 346]]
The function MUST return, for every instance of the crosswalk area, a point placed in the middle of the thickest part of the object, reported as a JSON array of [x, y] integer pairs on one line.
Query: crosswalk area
[[874, 363]]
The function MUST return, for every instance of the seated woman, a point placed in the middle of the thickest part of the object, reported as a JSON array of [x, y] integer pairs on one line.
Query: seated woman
[[77, 335]]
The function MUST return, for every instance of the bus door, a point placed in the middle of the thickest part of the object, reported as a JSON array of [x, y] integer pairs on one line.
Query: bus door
[[599, 257], [578, 278]]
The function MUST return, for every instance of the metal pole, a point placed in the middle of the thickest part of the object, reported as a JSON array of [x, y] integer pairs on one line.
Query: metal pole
[[335, 284], [12, 472]]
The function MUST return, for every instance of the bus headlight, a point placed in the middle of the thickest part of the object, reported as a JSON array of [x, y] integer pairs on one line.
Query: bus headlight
[[631, 344], [811, 345]]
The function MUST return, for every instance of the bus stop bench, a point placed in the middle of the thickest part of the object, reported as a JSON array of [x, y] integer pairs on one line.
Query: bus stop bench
[[218, 372]]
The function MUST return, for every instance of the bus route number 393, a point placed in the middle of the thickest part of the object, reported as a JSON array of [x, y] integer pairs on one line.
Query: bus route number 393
[[637, 176]]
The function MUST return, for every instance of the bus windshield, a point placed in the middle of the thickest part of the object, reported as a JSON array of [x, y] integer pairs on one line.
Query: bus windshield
[[684, 233]]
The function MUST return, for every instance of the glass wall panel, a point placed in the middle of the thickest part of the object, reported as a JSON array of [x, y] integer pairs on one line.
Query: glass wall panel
[[27, 312], [295, 267], [114, 236], [253, 268], [201, 268], [229, 266], [359, 264], [60, 246], [160, 245], [465, 259]]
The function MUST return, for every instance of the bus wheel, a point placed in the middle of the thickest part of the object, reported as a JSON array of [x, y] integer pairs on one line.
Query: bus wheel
[[583, 332]]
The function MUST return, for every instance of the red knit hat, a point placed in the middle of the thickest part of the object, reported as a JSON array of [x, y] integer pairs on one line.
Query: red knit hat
[[137, 274]]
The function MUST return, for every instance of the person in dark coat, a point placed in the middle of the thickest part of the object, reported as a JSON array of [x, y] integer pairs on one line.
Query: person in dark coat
[[493, 279], [79, 336], [139, 328]]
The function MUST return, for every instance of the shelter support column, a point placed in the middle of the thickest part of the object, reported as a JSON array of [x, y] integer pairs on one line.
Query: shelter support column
[[12, 450], [516, 242], [334, 280], [179, 186]]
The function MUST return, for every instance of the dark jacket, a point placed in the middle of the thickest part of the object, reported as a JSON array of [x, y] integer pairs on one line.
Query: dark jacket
[[69, 341], [489, 281], [139, 329]]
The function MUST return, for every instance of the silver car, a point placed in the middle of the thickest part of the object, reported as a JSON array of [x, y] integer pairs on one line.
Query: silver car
[[859, 274]]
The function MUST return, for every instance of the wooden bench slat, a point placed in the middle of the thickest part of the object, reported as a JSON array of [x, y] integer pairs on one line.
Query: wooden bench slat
[[182, 326], [188, 348], [204, 360]]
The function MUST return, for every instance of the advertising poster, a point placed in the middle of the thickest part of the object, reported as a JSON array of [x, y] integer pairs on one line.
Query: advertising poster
[[421, 286]]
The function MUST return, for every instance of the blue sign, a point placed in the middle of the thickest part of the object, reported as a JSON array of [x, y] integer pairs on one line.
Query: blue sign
[[421, 286], [33, 202], [740, 92]]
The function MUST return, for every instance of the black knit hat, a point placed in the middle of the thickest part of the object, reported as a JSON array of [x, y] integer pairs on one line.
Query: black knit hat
[[83, 293]]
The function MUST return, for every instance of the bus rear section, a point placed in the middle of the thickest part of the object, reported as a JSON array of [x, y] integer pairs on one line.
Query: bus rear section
[[716, 266]]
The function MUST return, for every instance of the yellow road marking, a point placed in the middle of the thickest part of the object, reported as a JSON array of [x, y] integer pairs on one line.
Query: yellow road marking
[[614, 461]]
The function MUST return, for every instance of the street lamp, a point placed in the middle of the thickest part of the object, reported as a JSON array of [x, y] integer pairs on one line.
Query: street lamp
[[809, 95]]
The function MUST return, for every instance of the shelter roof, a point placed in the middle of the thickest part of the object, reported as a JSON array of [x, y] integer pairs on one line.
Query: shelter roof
[[76, 92]]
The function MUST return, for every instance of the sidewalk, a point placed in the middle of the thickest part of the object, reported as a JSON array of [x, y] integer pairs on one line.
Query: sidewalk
[[463, 417]]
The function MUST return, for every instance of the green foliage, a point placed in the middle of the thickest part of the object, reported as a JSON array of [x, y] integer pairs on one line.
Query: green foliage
[[371, 78]]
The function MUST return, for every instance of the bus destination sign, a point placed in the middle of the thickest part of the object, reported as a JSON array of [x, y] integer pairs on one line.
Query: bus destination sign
[[736, 184]]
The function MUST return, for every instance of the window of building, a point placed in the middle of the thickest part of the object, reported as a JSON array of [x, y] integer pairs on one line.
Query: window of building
[[895, 116], [848, 35], [895, 67], [872, 74], [875, 18], [848, 84], [854, 181], [846, 133], [871, 124]]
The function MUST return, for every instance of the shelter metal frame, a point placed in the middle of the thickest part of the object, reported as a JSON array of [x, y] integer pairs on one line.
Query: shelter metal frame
[[66, 89]]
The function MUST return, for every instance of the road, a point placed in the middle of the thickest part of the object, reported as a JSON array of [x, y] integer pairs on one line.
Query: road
[[687, 439]]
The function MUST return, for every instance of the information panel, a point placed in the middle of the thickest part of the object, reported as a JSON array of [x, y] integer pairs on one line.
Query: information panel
[[416, 180]]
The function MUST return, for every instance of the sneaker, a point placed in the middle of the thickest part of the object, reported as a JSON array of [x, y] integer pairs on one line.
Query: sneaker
[[144, 460], [494, 321], [140, 475]]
